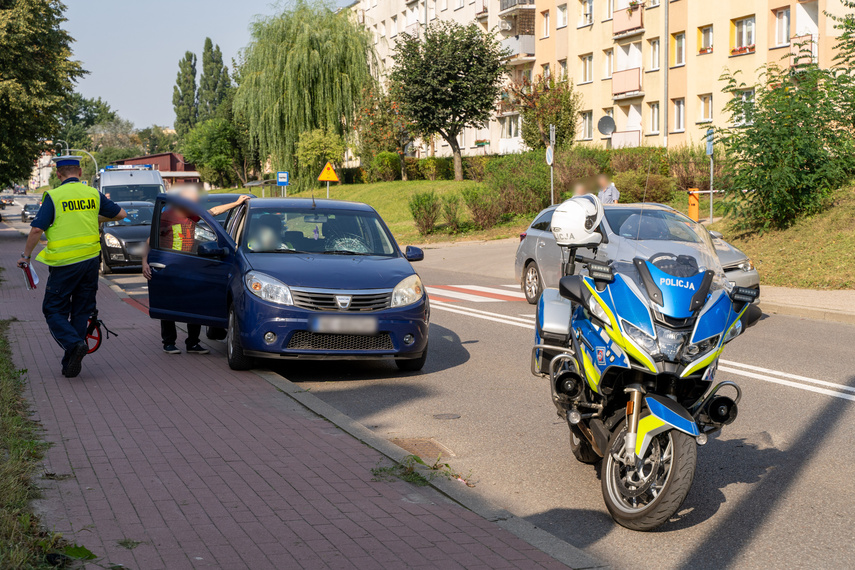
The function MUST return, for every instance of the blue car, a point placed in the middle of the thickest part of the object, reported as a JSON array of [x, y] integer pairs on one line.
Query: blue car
[[290, 278]]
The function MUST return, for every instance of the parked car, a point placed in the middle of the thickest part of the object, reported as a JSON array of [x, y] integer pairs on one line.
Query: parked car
[[6, 201], [538, 259], [123, 242], [29, 211], [294, 279], [125, 183]]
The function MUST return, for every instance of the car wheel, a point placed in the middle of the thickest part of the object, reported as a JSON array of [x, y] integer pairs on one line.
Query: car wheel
[[105, 269], [532, 285], [237, 359], [412, 364], [216, 333]]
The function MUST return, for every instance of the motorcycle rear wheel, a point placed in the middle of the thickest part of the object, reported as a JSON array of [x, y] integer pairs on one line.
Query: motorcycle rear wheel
[[647, 498]]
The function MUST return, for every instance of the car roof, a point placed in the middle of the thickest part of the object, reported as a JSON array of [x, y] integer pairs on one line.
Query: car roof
[[308, 203], [218, 196], [134, 203], [122, 177]]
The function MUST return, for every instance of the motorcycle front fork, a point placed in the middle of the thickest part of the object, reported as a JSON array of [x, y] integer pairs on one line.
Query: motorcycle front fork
[[633, 414]]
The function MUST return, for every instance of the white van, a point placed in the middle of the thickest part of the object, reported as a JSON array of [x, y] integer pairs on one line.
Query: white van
[[127, 183]]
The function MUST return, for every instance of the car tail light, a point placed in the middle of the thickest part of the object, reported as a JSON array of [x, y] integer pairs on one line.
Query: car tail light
[[522, 236]]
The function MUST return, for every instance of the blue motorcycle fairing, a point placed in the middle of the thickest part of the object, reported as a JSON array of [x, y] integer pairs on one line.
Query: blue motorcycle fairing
[[672, 414], [677, 292], [601, 350], [632, 309], [714, 318]]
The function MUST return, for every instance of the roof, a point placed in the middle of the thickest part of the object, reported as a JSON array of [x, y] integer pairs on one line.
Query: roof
[[308, 203], [223, 196], [134, 203]]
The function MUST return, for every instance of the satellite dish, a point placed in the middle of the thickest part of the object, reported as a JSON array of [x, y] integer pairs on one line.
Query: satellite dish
[[606, 125]]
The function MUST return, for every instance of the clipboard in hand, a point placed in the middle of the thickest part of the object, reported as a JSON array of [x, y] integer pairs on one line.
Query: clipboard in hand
[[31, 279]]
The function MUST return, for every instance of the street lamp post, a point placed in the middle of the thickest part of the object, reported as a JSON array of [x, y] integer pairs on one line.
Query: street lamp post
[[66, 145], [90, 156]]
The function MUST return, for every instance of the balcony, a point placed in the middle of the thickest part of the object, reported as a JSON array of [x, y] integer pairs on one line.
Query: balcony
[[802, 50], [627, 22], [412, 30], [508, 7], [521, 48], [482, 10], [625, 139], [626, 84]]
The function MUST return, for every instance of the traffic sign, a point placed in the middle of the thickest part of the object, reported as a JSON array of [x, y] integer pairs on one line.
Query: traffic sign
[[709, 142], [328, 174], [283, 178], [549, 155]]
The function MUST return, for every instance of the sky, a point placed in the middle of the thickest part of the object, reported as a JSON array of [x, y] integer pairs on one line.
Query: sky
[[131, 48]]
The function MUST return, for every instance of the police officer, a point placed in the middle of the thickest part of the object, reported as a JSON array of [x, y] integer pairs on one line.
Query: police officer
[[69, 218]]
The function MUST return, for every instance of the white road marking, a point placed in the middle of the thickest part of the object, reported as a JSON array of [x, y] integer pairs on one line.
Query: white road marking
[[448, 294], [526, 315], [788, 383], [515, 294], [487, 316], [841, 387], [515, 286]]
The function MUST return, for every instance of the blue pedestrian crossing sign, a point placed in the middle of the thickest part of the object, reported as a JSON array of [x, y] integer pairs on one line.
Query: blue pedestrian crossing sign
[[283, 179]]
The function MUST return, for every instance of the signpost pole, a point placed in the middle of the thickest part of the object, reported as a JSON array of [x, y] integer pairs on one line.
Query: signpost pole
[[710, 153], [328, 189], [551, 164]]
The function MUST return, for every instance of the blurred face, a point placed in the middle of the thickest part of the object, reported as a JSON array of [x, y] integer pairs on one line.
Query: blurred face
[[603, 181], [579, 189]]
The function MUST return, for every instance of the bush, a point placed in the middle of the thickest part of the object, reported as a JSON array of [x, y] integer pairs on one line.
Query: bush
[[654, 159], [690, 167], [574, 166], [425, 208], [484, 205], [635, 186], [352, 175], [520, 182], [384, 167], [475, 167], [451, 211], [436, 168], [411, 166]]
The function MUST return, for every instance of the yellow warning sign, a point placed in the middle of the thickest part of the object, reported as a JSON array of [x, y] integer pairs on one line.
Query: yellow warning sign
[[328, 174]]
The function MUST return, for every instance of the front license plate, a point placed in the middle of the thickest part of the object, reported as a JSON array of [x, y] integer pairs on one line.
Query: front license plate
[[345, 325]]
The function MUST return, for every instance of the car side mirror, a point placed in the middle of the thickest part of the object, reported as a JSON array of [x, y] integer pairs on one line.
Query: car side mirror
[[716, 235], [414, 253], [210, 249]]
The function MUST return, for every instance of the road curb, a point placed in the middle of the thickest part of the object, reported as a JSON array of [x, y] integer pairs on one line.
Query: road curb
[[537, 537], [807, 312]]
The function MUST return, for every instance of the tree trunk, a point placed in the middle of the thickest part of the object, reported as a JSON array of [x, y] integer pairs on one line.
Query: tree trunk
[[403, 166], [458, 159]]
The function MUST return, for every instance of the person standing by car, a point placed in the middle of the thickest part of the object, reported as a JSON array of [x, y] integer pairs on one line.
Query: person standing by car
[[177, 232], [608, 193], [69, 219]]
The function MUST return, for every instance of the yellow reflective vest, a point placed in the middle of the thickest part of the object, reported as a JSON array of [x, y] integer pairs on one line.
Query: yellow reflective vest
[[73, 236]]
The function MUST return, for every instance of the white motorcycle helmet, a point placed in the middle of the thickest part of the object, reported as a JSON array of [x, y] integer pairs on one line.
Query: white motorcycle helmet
[[575, 222]]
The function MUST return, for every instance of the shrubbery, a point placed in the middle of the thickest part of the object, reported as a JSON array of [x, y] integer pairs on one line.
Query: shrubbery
[[384, 167], [451, 212], [436, 168], [519, 182], [425, 208], [638, 186], [484, 206]]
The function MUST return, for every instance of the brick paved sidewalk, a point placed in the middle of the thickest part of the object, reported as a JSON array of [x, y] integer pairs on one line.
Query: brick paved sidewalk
[[206, 467]]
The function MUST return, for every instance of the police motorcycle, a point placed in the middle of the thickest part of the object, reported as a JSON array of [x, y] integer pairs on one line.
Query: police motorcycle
[[630, 346]]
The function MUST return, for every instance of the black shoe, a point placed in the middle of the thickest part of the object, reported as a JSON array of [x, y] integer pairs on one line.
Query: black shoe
[[72, 369], [171, 349], [197, 349]]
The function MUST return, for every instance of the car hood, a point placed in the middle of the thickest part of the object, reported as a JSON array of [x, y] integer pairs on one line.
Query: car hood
[[129, 233], [332, 271], [727, 254]]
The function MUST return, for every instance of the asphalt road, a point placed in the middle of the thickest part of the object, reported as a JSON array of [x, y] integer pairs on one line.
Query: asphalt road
[[774, 489]]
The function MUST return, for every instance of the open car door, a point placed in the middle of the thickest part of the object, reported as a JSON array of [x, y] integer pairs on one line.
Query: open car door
[[191, 259]]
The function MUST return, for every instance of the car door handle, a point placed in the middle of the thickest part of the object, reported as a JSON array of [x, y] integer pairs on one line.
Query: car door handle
[[540, 244], [157, 266]]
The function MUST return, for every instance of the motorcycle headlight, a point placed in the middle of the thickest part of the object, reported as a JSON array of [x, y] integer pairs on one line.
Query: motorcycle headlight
[[596, 310], [670, 342], [407, 292], [648, 343], [734, 332], [268, 288], [699, 348], [112, 241]]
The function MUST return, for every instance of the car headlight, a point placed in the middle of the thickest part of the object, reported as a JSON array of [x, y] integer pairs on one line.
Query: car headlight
[[700, 348], [645, 341], [734, 332], [407, 292], [268, 288], [747, 265], [112, 241]]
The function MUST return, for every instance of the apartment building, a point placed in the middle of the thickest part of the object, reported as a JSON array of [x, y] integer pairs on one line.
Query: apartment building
[[655, 65], [513, 20]]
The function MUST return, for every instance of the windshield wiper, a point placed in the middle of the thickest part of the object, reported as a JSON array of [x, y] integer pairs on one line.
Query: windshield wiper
[[343, 252]]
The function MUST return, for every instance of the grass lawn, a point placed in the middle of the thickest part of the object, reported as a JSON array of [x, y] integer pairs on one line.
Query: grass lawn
[[391, 200], [816, 253]]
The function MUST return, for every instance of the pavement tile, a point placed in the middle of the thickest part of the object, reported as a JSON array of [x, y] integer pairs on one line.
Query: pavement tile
[[215, 469]]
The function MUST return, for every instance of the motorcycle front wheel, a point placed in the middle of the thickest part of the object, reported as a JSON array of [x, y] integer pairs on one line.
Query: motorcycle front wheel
[[643, 495]]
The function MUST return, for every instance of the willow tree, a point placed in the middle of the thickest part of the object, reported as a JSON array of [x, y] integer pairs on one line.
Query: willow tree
[[304, 69]]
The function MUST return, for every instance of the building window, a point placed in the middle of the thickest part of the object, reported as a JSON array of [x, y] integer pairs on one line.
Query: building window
[[654, 54], [679, 115], [562, 16], [383, 28], [609, 112], [743, 38], [782, 27], [652, 3], [654, 117], [510, 126], [706, 107], [610, 62], [545, 23], [679, 48], [587, 68], [587, 125], [393, 24], [563, 67], [705, 39], [744, 118], [610, 9], [444, 5], [545, 70], [587, 13], [376, 36], [432, 10]]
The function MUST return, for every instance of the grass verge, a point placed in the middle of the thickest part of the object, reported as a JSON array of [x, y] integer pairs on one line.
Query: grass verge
[[817, 252]]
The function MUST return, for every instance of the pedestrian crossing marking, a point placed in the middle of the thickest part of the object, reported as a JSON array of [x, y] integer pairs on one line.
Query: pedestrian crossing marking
[[472, 294]]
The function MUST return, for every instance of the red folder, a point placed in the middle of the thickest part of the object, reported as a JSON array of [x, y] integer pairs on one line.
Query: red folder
[[30, 277]]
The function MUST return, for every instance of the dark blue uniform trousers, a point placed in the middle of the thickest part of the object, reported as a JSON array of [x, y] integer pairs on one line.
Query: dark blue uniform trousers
[[69, 301]]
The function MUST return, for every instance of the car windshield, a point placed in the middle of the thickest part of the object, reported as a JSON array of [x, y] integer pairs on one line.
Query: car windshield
[[313, 230], [209, 202], [137, 216], [133, 192], [31, 207]]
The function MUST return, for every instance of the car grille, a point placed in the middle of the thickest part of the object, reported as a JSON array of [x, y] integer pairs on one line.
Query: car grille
[[305, 340], [325, 301]]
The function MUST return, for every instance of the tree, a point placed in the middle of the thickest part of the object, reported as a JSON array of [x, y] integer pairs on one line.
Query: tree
[[543, 102], [316, 148], [449, 81], [155, 139], [184, 95], [78, 115], [36, 77], [381, 126], [304, 69], [210, 146], [213, 83], [118, 133]]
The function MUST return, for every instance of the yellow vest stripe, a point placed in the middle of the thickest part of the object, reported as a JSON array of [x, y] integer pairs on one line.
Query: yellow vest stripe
[[177, 238]]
